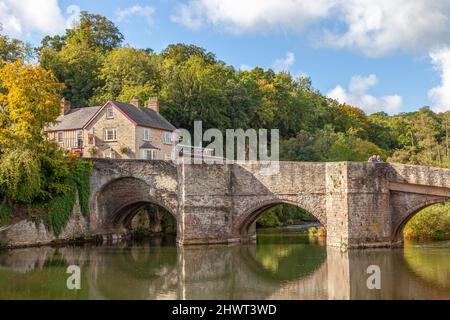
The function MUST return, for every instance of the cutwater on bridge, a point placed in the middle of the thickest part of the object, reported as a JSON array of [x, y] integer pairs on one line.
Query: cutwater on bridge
[[360, 204]]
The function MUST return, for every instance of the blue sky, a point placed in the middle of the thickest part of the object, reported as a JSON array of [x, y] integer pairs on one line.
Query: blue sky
[[390, 55]]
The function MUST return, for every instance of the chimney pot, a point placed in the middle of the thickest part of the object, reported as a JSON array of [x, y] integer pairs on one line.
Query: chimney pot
[[65, 107], [135, 102], [153, 103]]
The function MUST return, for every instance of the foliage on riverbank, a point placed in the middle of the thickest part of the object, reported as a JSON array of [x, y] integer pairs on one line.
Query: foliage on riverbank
[[284, 215], [5, 214], [432, 223]]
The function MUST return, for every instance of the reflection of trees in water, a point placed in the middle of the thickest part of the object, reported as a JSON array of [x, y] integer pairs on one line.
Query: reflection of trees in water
[[429, 262], [46, 279], [139, 272], [285, 257], [275, 268]]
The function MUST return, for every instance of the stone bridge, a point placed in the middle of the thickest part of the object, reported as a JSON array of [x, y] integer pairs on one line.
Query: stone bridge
[[360, 204]]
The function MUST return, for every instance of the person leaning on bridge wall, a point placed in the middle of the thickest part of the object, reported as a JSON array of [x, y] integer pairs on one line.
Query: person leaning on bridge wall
[[375, 159]]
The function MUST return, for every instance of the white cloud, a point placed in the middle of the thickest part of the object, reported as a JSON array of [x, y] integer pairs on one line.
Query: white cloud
[[379, 27], [373, 27], [22, 17], [440, 96], [283, 64], [238, 16], [147, 12], [357, 96], [189, 15]]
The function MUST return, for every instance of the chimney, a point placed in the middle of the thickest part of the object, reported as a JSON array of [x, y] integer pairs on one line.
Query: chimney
[[135, 102], [65, 107], [153, 103]]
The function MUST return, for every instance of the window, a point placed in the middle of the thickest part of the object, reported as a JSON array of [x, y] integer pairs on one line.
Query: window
[[167, 157], [110, 113], [146, 134], [110, 134], [80, 139], [150, 154], [60, 137], [110, 154], [167, 137]]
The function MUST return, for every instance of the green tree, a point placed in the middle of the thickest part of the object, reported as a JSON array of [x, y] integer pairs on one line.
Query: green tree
[[14, 49], [77, 57], [180, 52], [96, 31], [128, 72]]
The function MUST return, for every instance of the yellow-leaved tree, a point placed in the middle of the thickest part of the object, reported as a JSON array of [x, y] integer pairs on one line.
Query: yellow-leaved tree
[[29, 102]]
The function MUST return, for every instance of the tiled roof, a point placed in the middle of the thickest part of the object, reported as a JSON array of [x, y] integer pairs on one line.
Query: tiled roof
[[79, 117], [144, 117], [148, 145], [75, 119]]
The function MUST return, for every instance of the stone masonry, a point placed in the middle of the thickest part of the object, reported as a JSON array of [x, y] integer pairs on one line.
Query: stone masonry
[[360, 204]]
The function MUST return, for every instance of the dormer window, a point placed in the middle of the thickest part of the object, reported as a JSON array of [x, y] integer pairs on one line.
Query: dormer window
[[110, 113]]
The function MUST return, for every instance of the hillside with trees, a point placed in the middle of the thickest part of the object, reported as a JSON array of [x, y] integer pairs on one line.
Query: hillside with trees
[[93, 64]]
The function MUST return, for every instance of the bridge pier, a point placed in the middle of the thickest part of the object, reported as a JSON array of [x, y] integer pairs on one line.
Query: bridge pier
[[357, 206]]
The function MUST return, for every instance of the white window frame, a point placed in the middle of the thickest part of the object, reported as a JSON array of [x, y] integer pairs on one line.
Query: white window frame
[[169, 135], [114, 134], [79, 137], [153, 154], [146, 134], [110, 154], [110, 113], [60, 137]]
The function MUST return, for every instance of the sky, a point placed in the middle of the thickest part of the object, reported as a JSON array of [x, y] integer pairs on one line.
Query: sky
[[379, 55]]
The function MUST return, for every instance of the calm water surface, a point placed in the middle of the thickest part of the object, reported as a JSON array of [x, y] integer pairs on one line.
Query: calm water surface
[[285, 264]]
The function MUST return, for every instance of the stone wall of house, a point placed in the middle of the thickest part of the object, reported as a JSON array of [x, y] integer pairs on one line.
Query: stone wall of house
[[156, 139], [126, 135]]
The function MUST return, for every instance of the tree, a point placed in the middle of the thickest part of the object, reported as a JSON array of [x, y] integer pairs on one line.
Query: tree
[[181, 52], [29, 102], [13, 49], [96, 31], [194, 91], [76, 57], [128, 72]]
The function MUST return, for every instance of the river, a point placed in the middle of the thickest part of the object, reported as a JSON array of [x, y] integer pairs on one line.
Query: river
[[285, 264]]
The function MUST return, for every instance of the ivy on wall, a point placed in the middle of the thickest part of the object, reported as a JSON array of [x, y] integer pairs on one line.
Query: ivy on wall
[[60, 207]]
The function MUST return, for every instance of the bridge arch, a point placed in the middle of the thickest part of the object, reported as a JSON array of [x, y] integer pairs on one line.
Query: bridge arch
[[410, 212], [120, 199], [248, 216]]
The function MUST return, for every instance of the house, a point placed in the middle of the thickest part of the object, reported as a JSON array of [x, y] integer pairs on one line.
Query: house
[[114, 130]]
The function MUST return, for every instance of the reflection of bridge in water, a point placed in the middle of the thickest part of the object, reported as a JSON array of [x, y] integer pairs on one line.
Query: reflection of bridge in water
[[221, 272]]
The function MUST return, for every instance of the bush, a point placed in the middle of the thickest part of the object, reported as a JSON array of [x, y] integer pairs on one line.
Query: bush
[[268, 219], [5, 214], [312, 232]]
